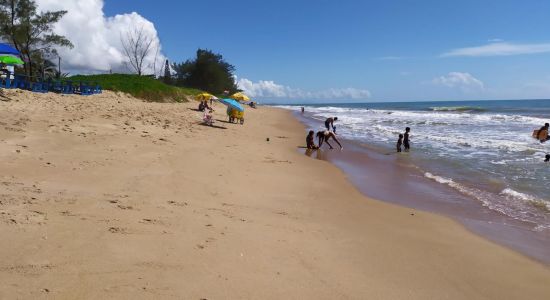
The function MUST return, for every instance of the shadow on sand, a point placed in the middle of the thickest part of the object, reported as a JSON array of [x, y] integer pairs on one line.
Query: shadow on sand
[[213, 126]]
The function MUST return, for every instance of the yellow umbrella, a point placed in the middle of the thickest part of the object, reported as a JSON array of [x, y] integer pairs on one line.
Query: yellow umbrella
[[203, 97], [240, 97]]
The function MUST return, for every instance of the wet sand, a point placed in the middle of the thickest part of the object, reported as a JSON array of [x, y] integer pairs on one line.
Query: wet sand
[[109, 197], [392, 177]]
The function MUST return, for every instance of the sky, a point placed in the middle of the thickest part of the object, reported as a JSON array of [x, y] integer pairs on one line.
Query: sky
[[340, 51]]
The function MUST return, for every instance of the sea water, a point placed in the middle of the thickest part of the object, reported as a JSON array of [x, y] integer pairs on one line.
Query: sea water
[[482, 149]]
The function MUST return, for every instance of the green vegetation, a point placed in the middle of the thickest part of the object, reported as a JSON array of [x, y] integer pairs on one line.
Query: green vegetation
[[31, 32], [142, 87], [208, 71]]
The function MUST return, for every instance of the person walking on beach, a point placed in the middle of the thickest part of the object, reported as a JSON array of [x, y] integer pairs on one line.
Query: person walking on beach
[[330, 123], [324, 136], [399, 142], [406, 142], [310, 141]]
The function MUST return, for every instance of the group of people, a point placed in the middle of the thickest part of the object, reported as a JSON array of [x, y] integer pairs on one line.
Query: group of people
[[403, 140], [323, 136], [330, 133]]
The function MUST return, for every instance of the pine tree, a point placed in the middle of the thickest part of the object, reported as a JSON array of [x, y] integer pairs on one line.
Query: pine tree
[[167, 76]]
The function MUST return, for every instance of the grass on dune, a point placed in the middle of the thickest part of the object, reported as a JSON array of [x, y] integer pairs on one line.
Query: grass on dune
[[142, 87]]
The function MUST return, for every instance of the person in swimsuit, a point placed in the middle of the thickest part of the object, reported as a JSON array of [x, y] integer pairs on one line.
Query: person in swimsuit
[[543, 128], [406, 139], [399, 142], [330, 122], [324, 136], [310, 140]]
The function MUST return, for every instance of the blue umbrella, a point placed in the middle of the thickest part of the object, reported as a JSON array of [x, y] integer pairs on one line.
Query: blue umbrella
[[7, 49], [232, 103]]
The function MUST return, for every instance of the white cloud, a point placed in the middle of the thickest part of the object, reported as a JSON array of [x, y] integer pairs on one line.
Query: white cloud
[[499, 49], [464, 81], [97, 38], [270, 89], [497, 40]]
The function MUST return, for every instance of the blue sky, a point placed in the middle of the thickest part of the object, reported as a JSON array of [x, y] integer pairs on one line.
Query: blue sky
[[339, 50]]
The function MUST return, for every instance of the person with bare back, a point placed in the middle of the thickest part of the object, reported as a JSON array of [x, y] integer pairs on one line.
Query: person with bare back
[[324, 136]]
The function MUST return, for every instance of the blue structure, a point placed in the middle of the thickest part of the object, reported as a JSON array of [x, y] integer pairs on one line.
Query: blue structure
[[7, 49]]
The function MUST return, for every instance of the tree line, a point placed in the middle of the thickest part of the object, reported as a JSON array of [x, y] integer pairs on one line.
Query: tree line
[[31, 33]]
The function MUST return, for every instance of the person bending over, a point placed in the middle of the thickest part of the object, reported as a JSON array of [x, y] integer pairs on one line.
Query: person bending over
[[310, 140], [324, 136], [330, 123]]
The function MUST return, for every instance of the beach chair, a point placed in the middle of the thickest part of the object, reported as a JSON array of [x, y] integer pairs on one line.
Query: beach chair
[[19, 82], [56, 86], [67, 88], [97, 89], [85, 89]]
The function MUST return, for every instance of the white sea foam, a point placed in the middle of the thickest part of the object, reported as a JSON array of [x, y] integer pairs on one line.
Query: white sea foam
[[473, 146]]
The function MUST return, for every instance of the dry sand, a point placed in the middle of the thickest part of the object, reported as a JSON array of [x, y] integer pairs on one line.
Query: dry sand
[[108, 197]]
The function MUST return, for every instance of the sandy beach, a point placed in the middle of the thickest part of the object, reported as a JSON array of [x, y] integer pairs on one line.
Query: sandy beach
[[110, 197]]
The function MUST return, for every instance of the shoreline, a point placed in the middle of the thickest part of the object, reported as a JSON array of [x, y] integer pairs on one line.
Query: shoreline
[[367, 168], [110, 197]]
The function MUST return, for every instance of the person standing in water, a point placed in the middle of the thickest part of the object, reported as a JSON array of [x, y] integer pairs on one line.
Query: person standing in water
[[330, 123], [544, 128], [406, 141], [303, 110], [399, 142], [547, 158]]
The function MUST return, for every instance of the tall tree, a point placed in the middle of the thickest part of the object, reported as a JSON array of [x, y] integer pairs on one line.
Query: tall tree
[[31, 32], [167, 75], [137, 45], [208, 71]]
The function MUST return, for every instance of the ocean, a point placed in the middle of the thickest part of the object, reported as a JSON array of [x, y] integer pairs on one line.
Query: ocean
[[481, 149]]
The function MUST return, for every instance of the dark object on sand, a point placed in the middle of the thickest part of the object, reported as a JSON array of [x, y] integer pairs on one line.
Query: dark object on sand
[[267, 139]]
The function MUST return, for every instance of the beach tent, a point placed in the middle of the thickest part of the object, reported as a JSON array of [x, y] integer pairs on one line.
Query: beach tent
[[240, 97], [11, 60], [7, 49], [232, 104]]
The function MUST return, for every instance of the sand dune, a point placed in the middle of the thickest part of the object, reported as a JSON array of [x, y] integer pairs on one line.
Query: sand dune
[[109, 197]]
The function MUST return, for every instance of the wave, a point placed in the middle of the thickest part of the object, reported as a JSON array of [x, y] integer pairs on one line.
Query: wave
[[509, 202], [458, 108]]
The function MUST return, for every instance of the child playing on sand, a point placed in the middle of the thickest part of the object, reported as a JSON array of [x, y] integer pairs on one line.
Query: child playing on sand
[[310, 140], [406, 139], [399, 142]]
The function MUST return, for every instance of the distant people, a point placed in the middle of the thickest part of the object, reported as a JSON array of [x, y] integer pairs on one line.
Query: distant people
[[310, 140], [303, 110], [201, 106], [406, 142], [252, 104], [542, 134], [330, 123], [324, 136], [399, 142], [547, 158]]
